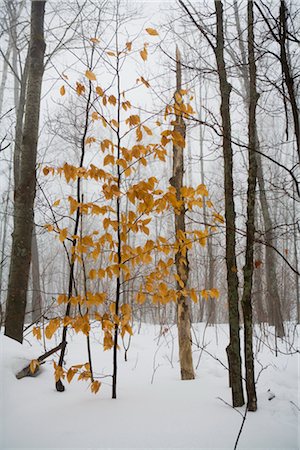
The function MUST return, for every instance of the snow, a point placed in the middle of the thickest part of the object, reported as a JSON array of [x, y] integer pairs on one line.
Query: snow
[[154, 409]]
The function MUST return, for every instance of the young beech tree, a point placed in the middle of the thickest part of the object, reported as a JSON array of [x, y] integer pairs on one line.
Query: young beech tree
[[104, 250], [181, 257]]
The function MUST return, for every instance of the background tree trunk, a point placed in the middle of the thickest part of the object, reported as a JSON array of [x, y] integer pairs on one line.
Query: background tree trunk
[[273, 299], [25, 191]]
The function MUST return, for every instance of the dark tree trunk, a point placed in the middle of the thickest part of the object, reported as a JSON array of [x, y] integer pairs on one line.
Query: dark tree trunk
[[25, 191], [286, 70], [250, 227], [233, 349]]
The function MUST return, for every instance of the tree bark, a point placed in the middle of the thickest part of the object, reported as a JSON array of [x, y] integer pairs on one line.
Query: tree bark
[[25, 191], [181, 257], [250, 226], [36, 286], [257, 296], [286, 70], [233, 349], [273, 298]]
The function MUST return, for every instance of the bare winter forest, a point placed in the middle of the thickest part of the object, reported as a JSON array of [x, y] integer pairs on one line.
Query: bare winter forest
[[149, 224]]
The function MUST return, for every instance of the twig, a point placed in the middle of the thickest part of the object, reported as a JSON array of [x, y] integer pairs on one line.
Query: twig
[[242, 424], [295, 405]]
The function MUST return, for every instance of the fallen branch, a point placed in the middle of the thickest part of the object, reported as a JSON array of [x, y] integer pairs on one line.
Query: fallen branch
[[26, 372]]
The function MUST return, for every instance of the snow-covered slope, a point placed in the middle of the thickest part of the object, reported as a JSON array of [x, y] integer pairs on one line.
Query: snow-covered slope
[[154, 408]]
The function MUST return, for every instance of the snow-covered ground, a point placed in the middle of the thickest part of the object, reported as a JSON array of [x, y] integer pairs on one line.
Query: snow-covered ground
[[154, 408]]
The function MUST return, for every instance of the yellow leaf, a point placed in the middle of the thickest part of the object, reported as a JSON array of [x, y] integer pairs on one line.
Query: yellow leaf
[[112, 308], [152, 31], [109, 159], [62, 298], [133, 120], [107, 341], [62, 90], [52, 327], [193, 295], [94, 40], [90, 75], [34, 365], [148, 130], [70, 374], [95, 386], [63, 234], [205, 294], [145, 82], [126, 309], [127, 328], [112, 100], [92, 274], [37, 333], [121, 162], [139, 134], [80, 89], [144, 54], [141, 297], [110, 53], [114, 123], [101, 273], [49, 227], [56, 203], [73, 204], [129, 46], [218, 218], [202, 190], [214, 293], [58, 372], [95, 116], [99, 91]]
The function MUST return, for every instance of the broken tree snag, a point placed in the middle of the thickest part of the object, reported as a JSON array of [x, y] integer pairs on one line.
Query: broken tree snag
[[181, 257], [27, 372]]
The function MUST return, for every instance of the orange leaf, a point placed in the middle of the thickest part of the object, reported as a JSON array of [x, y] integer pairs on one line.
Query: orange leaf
[[144, 54], [152, 31], [63, 234], [94, 40], [34, 365], [90, 75], [62, 91], [95, 386], [99, 91]]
